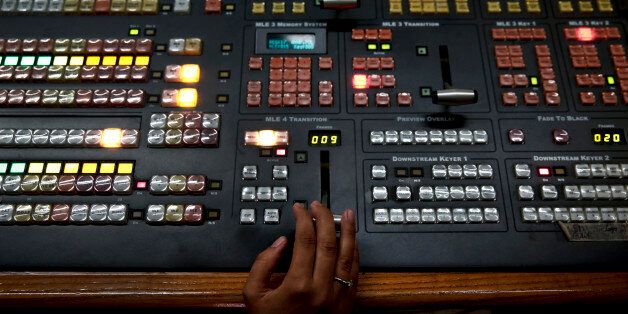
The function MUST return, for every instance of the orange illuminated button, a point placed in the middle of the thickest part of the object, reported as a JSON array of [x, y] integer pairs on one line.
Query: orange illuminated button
[[213, 6], [187, 98], [360, 81], [360, 99], [190, 73], [266, 138], [587, 98], [111, 138]]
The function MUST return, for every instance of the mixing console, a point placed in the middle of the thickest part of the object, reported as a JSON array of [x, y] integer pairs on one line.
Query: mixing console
[[177, 134]]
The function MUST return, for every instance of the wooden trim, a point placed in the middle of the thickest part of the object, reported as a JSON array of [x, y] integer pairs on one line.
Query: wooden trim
[[392, 290]]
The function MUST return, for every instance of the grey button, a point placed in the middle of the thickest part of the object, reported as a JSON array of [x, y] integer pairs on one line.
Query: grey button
[[247, 216], [158, 120], [6, 212], [454, 171], [122, 184], [158, 184], [603, 192], [155, 213], [561, 214], [613, 171], [40, 137], [488, 193], [49, 183], [403, 193], [475, 215], [130, 138], [588, 192], [264, 193], [598, 171], [175, 120], [6, 136], [78, 212], [392, 137], [592, 214], [23, 213], [211, 121], [58, 137], [378, 172], [622, 214], [176, 46], [271, 216], [546, 214], [549, 192], [576, 214], [439, 171], [24, 5], [23, 136], [380, 216], [516, 136], [608, 214], [413, 215], [103, 184], [40, 6], [156, 137], [397, 215], [485, 171], [174, 137], [428, 215], [583, 171], [624, 170], [560, 136], [248, 194], [491, 214], [443, 215], [470, 171], [480, 137], [522, 171], [98, 212], [92, 137], [377, 137], [421, 137], [30, 183], [117, 213], [459, 215], [249, 172], [76, 137], [177, 184], [618, 192], [174, 213], [572, 192], [472, 192], [465, 137], [529, 214], [457, 193], [280, 194], [181, 7], [436, 137], [426, 193], [11, 184], [280, 172], [441, 192], [380, 193], [525, 192], [406, 137], [55, 6], [451, 137], [9, 6]]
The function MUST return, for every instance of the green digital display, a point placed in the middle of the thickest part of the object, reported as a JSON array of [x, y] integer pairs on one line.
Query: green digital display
[[290, 42]]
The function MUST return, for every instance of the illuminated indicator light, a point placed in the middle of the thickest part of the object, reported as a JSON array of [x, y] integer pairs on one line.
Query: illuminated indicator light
[[18, 167], [11, 60], [60, 60], [190, 73], [585, 34], [371, 47], [3, 167], [36, 167], [544, 172], [141, 185], [134, 32], [44, 60], [281, 152], [53, 167], [71, 168], [125, 60], [109, 60], [93, 60], [360, 81], [77, 60], [266, 138], [534, 81], [89, 168], [187, 98], [107, 168], [143, 60], [560, 171], [610, 80], [125, 168], [111, 138], [27, 60], [385, 47]]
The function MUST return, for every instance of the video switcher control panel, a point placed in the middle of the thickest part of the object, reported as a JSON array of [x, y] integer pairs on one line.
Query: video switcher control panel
[[177, 134]]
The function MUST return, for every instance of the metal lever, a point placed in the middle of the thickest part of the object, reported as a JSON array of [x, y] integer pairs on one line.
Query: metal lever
[[340, 4], [455, 97]]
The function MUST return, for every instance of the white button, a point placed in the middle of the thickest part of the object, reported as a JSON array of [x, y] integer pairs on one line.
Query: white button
[[613, 171], [249, 172], [457, 193], [488, 193], [588, 192], [380, 193], [280, 172], [428, 215], [572, 192], [426, 193], [549, 192], [247, 216], [522, 171], [561, 214], [466, 137], [421, 137], [576, 214], [181, 7], [436, 137], [380, 216], [280, 194], [451, 137], [529, 214], [485, 171], [622, 214], [480, 136], [624, 170], [443, 215], [475, 215], [264, 193], [583, 171], [608, 214], [248, 194], [472, 192], [470, 171], [406, 137], [413, 215], [598, 170], [439, 171], [6, 212], [619, 192], [441, 192], [454, 171], [378, 172], [603, 192], [546, 214], [271, 216], [460, 215], [403, 193], [377, 137], [491, 214], [526, 192], [396, 215], [155, 213], [392, 137], [592, 214]]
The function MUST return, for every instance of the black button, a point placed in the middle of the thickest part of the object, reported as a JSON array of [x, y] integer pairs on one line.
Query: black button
[[226, 47], [560, 171], [166, 8], [265, 152], [153, 99], [156, 74], [160, 47], [222, 99], [150, 32], [215, 185], [401, 172], [224, 74], [416, 172], [300, 157]]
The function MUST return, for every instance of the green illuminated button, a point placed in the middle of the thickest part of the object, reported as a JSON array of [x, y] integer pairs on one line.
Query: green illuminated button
[[3, 167], [385, 47], [134, 31], [11, 60], [534, 81], [371, 47], [426, 92], [28, 60], [44, 60], [421, 51], [610, 80], [18, 167]]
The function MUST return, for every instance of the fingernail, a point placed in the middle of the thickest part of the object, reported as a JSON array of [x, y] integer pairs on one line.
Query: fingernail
[[298, 205], [349, 215], [316, 203], [279, 242]]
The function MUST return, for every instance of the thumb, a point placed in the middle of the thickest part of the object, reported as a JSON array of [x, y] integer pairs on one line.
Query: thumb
[[265, 263]]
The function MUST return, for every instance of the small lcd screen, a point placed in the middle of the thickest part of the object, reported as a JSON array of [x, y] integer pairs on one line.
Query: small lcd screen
[[608, 136], [324, 138], [290, 42]]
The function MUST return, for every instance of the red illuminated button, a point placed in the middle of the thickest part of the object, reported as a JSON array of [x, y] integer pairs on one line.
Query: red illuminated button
[[583, 80], [253, 100], [506, 80], [276, 74], [357, 34], [304, 74], [360, 100], [587, 98], [521, 80], [374, 81], [360, 81], [305, 63], [325, 99], [552, 99], [213, 6], [290, 74], [255, 63], [531, 99], [385, 34], [548, 74], [289, 100], [598, 79], [359, 63], [281, 152], [550, 86], [544, 171], [560, 136], [290, 62], [304, 86], [290, 87], [275, 87], [274, 100], [276, 62], [509, 99], [586, 34], [609, 98], [516, 136], [325, 86], [404, 99], [325, 63], [141, 185], [254, 87], [389, 81], [371, 34], [382, 100], [617, 50], [498, 34], [304, 100]]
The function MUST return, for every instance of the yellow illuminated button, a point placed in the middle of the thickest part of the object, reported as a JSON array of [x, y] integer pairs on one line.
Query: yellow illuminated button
[[109, 60], [77, 60], [107, 168], [416, 7], [429, 7], [279, 7], [259, 8], [442, 7], [142, 60], [71, 168], [134, 31], [187, 98], [385, 47], [395, 7], [53, 167], [89, 168], [605, 6], [60, 60], [371, 47], [565, 7], [610, 80], [462, 7], [494, 7], [93, 60], [190, 73], [514, 7], [125, 168], [534, 81], [533, 6], [150, 6], [111, 138], [36, 167], [125, 60], [298, 7], [585, 6]]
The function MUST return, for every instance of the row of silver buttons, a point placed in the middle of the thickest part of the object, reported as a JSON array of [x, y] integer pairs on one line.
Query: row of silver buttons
[[408, 137], [438, 193], [61, 137], [69, 97], [57, 6], [250, 172], [174, 213], [188, 120], [439, 215], [176, 137], [264, 194], [601, 170], [575, 192], [77, 213], [575, 214], [177, 184], [467, 171], [248, 216], [49, 183], [35, 6]]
